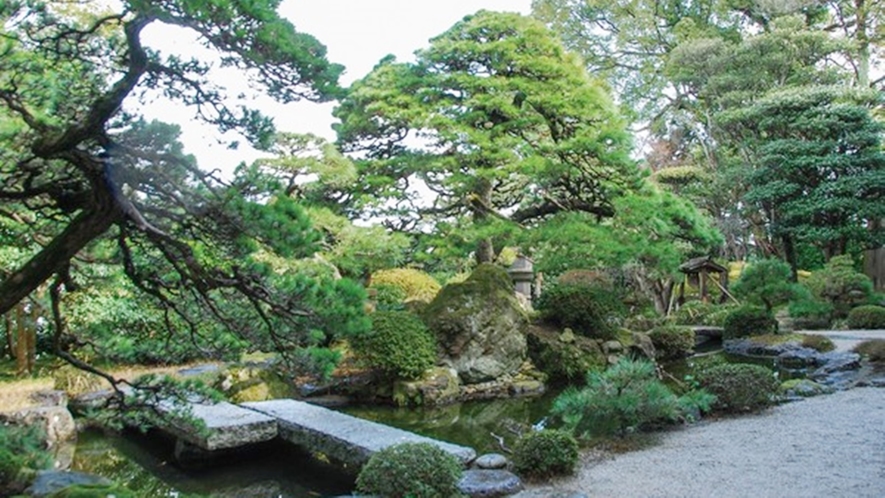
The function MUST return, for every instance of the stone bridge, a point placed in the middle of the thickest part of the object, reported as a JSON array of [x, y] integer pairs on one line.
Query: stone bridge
[[344, 438]]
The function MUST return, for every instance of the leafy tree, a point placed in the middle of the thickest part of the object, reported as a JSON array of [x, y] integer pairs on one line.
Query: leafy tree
[[497, 121], [78, 172], [767, 282]]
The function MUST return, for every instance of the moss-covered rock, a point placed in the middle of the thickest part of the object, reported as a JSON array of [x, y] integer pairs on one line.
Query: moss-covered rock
[[480, 326], [563, 360], [438, 386], [803, 388], [246, 383]]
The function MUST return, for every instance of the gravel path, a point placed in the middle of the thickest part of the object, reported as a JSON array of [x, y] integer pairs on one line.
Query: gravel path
[[828, 446]]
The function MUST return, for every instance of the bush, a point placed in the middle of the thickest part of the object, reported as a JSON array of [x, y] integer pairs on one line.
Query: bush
[[626, 396], [414, 470], [739, 386], [415, 283], [387, 297], [820, 343], [22, 452], [399, 345], [873, 349], [767, 282], [839, 284], [748, 321], [811, 314], [672, 341], [590, 310], [867, 317], [545, 453]]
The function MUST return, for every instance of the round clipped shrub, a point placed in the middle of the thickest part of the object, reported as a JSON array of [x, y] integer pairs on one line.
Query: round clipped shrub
[[748, 321], [867, 317], [873, 349], [820, 343], [672, 341], [399, 345], [739, 386], [545, 453], [590, 310], [414, 470], [415, 283]]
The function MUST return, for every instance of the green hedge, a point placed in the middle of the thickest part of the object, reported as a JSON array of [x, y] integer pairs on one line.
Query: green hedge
[[748, 321], [867, 317], [545, 453], [413, 470], [739, 386], [399, 344]]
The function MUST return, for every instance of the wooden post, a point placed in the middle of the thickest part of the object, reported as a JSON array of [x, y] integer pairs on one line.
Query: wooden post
[[702, 284]]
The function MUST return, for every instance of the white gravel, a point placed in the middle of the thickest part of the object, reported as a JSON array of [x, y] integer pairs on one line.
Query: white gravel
[[828, 446]]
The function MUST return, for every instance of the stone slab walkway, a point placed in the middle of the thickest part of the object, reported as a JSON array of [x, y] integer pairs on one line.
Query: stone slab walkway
[[227, 426], [340, 436]]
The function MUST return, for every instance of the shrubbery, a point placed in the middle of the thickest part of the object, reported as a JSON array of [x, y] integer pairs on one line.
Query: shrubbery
[[415, 283], [22, 452], [767, 282], [867, 317], [399, 344], [413, 470], [739, 386], [387, 297], [590, 310], [820, 343], [545, 453], [811, 314], [839, 284], [626, 396], [748, 321], [672, 341], [700, 313], [873, 349]]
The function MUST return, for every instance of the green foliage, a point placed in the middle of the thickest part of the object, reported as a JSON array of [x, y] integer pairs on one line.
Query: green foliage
[[766, 282], [545, 453], [841, 285], [873, 349], [22, 451], [867, 317], [672, 341], [416, 284], [811, 314], [399, 345], [820, 343], [388, 297], [748, 321], [410, 470], [93, 491], [590, 310], [626, 396], [739, 386], [701, 313]]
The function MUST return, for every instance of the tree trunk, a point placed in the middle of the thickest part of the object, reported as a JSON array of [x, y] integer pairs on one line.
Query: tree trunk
[[485, 249], [86, 227], [21, 344], [790, 254]]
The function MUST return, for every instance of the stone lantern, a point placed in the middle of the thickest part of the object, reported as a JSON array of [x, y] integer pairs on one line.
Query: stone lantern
[[523, 274]]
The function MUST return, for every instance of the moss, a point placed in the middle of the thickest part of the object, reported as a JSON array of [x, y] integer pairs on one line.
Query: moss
[[93, 491], [416, 284], [776, 339], [819, 343]]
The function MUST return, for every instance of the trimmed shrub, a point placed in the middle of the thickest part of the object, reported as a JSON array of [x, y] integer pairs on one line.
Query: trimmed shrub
[[748, 321], [414, 470], [415, 283], [739, 386], [399, 345], [672, 341], [627, 396], [841, 285], [820, 343], [22, 452], [387, 296], [590, 310], [810, 314], [873, 349], [545, 453], [867, 317], [766, 282]]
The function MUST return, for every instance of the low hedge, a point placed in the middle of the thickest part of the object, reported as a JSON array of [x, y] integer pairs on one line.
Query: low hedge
[[739, 386], [545, 453], [867, 317], [413, 470], [748, 321]]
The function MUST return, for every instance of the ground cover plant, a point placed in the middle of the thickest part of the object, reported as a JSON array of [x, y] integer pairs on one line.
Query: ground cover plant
[[748, 321]]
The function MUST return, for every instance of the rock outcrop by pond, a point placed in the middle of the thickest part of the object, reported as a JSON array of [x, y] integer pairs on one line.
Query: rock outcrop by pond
[[480, 326]]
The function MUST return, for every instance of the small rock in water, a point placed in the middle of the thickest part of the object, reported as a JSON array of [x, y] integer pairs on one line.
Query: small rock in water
[[489, 483], [491, 461]]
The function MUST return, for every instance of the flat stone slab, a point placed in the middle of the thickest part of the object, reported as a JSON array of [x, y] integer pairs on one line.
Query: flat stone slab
[[340, 436], [227, 426]]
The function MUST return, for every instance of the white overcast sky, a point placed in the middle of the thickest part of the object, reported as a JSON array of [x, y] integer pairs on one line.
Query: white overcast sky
[[357, 33]]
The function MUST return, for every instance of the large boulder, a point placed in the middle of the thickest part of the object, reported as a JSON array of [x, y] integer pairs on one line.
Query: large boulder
[[564, 356], [480, 325]]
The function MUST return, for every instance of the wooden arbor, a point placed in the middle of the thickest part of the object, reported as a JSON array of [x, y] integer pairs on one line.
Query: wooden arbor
[[698, 272]]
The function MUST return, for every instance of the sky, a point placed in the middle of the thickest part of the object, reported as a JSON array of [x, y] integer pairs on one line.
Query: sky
[[357, 33]]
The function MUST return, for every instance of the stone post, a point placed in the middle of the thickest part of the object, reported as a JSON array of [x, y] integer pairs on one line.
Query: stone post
[[523, 274]]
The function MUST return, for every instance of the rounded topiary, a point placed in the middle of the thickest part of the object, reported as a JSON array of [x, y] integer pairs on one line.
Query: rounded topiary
[[590, 310], [739, 386], [545, 453], [672, 341], [414, 470], [415, 283], [748, 321], [399, 344], [867, 317]]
